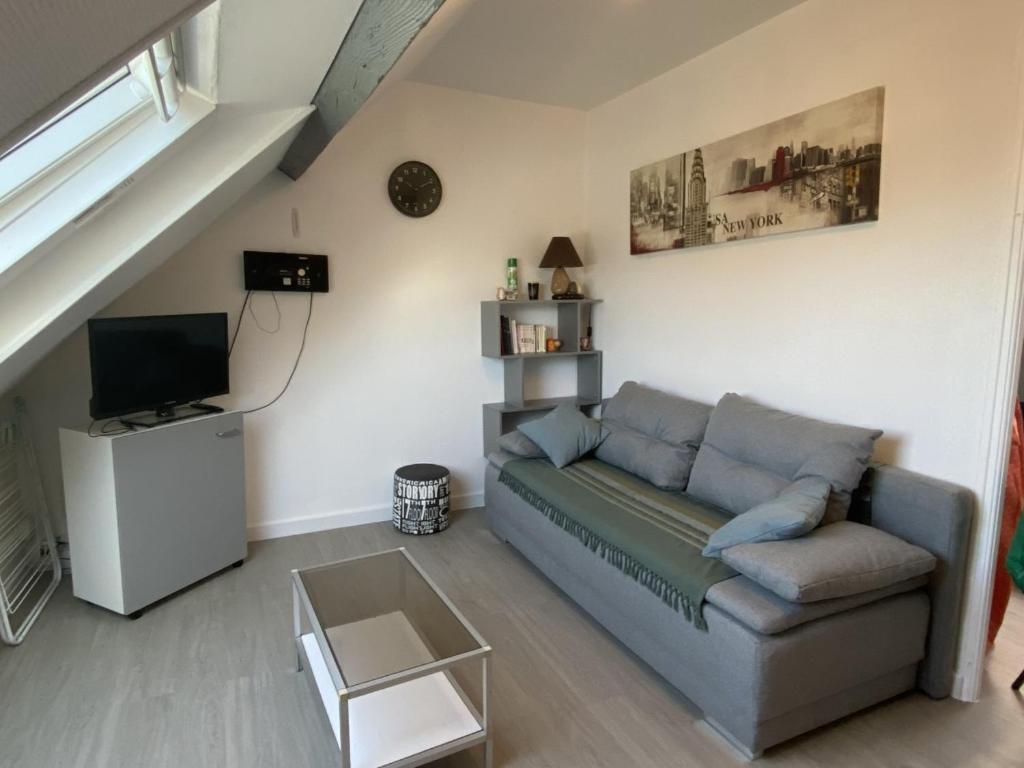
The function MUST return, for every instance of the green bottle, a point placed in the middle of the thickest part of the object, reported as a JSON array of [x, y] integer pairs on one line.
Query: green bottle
[[512, 276]]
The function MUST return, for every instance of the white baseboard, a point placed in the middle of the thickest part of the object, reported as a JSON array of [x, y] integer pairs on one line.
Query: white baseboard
[[344, 518]]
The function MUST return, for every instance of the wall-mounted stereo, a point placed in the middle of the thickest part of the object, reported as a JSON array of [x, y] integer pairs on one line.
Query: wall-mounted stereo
[[272, 271]]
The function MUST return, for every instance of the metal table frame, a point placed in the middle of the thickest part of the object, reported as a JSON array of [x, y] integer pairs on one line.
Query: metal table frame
[[301, 605]]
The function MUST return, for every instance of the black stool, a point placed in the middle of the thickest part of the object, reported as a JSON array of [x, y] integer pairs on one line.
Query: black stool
[[421, 499]]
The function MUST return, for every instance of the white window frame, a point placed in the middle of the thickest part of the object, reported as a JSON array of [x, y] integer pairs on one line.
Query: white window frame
[[68, 134], [75, 164]]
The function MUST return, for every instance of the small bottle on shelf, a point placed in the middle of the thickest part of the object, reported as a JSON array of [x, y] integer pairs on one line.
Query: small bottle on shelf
[[512, 280]]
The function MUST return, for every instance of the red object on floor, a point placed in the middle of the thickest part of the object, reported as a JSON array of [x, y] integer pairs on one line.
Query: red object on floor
[[1013, 498]]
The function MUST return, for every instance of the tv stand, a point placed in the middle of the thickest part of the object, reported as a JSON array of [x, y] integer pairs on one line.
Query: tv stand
[[152, 511], [170, 414]]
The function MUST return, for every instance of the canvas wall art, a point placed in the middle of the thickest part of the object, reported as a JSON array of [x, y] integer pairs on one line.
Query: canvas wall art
[[818, 168]]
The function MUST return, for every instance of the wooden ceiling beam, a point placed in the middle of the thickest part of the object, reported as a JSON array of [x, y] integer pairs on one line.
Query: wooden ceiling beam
[[380, 33]]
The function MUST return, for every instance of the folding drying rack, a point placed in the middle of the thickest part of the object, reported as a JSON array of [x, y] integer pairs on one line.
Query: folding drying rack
[[29, 565]]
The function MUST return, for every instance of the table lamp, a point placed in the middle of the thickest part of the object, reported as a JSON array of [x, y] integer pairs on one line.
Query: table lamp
[[559, 255]]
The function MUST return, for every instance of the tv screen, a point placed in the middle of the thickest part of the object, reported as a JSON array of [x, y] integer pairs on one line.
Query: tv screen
[[151, 363]]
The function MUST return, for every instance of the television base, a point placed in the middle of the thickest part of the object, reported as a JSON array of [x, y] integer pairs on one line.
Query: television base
[[167, 415]]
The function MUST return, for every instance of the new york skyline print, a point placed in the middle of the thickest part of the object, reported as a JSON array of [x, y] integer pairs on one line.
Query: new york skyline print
[[817, 168]]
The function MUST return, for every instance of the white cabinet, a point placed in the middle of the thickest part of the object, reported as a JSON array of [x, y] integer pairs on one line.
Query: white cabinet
[[150, 512]]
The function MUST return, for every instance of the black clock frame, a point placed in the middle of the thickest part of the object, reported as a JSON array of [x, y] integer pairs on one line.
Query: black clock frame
[[418, 206]]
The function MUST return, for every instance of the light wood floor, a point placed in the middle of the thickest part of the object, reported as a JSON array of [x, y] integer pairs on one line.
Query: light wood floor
[[207, 678]]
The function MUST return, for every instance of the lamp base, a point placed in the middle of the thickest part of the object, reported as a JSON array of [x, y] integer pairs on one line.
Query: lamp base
[[562, 287], [559, 282]]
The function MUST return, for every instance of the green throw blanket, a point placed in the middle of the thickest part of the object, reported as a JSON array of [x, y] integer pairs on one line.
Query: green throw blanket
[[653, 536]]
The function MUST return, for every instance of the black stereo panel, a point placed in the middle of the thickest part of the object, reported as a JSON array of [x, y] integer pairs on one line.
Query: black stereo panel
[[272, 271]]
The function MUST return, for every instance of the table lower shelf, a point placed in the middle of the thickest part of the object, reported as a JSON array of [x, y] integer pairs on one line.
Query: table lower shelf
[[397, 722]]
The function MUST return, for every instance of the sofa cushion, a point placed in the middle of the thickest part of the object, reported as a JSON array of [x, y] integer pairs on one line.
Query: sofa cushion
[[765, 612], [565, 434], [499, 458], [833, 561], [515, 442], [794, 512], [750, 453], [653, 434]]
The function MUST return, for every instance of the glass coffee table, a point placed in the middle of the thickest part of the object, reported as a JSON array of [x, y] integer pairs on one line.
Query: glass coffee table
[[402, 675]]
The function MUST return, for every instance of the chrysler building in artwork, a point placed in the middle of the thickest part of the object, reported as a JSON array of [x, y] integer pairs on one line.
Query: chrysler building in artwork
[[695, 226]]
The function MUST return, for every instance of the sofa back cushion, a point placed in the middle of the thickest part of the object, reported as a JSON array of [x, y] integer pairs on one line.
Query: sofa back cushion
[[751, 453], [653, 434]]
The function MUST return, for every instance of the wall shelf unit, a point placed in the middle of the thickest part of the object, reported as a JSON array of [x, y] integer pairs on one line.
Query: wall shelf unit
[[572, 318]]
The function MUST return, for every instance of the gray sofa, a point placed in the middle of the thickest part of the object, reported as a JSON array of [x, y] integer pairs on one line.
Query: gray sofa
[[766, 669]]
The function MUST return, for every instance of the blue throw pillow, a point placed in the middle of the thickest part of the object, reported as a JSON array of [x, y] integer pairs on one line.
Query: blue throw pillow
[[794, 512], [565, 434]]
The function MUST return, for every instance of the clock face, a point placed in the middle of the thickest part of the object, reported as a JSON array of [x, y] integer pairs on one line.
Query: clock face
[[415, 189]]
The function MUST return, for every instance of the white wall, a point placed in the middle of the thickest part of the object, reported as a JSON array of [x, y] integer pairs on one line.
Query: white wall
[[893, 324], [392, 371]]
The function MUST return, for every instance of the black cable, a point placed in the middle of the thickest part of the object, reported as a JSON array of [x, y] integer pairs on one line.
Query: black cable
[[238, 325], [256, 320], [105, 431], [298, 357]]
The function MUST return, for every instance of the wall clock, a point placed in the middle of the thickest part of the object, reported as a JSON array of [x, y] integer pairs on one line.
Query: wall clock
[[415, 189]]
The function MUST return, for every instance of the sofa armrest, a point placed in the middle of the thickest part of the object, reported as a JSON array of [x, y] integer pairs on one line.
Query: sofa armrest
[[936, 516]]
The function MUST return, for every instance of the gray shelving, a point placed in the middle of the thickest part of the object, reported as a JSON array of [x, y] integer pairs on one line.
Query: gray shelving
[[541, 404], [572, 319]]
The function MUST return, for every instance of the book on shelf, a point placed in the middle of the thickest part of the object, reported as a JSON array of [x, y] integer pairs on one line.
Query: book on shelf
[[506, 336], [527, 339], [521, 339], [541, 337]]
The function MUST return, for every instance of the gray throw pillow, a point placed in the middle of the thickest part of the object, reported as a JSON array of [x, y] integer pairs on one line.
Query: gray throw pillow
[[653, 434], [565, 434], [751, 452], [518, 444], [794, 512], [832, 561]]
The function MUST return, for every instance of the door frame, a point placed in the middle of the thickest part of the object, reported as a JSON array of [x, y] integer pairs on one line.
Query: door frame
[[980, 578]]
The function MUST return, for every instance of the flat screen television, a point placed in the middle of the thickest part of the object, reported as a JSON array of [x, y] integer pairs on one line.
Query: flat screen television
[[156, 363]]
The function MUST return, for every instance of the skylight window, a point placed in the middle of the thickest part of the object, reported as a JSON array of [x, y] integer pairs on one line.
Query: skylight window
[[151, 79], [58, 139]]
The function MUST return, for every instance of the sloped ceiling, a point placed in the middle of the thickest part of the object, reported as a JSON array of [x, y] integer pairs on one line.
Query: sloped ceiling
[[276, 53], [53, 51], [270, 58], [582, 53]]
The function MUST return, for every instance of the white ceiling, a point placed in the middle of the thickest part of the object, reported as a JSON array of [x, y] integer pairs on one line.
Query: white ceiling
[[581, 53], [276, 53]]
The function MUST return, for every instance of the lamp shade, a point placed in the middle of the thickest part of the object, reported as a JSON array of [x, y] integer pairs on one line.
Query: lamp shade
[[560, 253]]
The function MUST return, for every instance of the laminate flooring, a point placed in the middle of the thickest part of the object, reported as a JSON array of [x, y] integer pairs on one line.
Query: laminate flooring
[[207, 678]]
